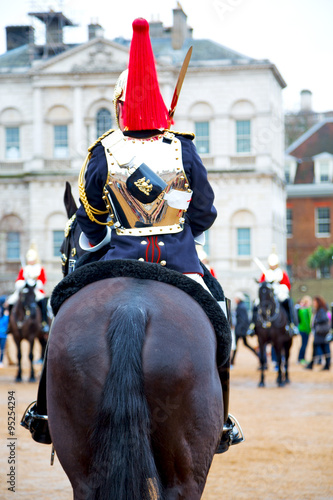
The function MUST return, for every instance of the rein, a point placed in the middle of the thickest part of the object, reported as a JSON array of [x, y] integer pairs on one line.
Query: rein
[[68, 252]]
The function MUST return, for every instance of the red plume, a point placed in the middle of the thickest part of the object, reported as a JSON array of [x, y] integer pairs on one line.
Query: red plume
[[144, 106]]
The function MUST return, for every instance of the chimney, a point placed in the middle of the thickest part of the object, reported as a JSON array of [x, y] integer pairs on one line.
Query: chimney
[[306, 101], [156, 29], [17, 36], [179, 28], [95, 30], [54, 23]]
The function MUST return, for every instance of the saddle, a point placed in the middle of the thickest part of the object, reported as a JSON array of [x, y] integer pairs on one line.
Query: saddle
[[100, 270]]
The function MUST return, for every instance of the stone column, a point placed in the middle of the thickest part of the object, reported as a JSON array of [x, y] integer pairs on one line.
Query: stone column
[[38, 136], [79, 143]]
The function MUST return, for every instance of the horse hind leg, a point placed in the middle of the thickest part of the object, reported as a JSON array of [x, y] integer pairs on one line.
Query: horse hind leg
[[279, 380], [31, 358], [286, 364], [19, 359], [262, 359]]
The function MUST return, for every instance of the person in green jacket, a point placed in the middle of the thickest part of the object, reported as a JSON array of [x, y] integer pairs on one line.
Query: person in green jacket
[[304, 310]]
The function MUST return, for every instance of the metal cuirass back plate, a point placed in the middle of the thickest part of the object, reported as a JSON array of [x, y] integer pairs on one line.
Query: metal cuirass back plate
[[165, 213]]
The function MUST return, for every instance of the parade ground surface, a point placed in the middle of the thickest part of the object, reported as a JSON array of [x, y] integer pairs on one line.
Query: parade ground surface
[[288, 452]]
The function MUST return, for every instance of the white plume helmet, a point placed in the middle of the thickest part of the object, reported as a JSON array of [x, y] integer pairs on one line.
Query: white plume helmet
[[32, 254], [273, 260]]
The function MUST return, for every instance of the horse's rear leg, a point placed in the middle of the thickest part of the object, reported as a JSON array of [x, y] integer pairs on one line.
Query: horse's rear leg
[[185, 490], [286, 362], [262, 359], [279, 380], [31, 358], [19, 358]]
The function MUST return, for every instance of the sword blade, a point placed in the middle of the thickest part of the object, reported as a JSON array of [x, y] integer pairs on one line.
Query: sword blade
[[179, 84]]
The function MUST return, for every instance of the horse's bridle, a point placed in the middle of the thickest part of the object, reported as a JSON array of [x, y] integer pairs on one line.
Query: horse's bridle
[[67, 253], [29, 309], [268, 320]]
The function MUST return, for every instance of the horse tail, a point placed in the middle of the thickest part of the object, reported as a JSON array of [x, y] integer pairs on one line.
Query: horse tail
[[123, 466]]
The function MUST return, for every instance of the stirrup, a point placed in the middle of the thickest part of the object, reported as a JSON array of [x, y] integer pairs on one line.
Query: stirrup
[[251, 330], [45, 327], [232, 434], [37, 424], [292, 329]]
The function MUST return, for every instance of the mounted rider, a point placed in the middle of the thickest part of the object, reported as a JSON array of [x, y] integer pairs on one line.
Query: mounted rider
[[32, 273], [144, 190], [281, 286]]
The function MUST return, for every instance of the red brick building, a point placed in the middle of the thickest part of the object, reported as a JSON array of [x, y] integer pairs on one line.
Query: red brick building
[[309, 177]]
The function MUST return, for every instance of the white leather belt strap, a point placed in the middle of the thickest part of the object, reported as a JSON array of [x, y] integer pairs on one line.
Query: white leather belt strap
[[115, 144], [178, 199]]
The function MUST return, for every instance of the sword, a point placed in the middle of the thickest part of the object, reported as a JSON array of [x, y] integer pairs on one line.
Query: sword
[[179, 85], [260, 265]]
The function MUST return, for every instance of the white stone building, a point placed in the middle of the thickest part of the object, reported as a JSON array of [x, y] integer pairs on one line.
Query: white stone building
[[55, 100]]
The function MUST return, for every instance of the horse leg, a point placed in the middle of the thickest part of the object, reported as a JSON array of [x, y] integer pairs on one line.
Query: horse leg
[[31, 358], [279, 379], [19, 357], [262, 347], [286, 362]]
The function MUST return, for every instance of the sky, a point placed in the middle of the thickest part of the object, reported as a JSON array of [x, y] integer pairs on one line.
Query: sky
[[295, 35]]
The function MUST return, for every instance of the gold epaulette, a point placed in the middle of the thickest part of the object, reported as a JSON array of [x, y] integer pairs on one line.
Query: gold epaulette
[[188, 135], [90, 210]]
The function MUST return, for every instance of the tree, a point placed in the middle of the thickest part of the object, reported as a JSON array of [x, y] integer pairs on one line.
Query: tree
[[321, 260]]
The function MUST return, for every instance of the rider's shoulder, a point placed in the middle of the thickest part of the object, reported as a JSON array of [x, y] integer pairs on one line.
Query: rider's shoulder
[[183, 135], [98, 141]]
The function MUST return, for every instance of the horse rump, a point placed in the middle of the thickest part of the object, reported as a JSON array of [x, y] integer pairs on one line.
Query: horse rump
[[123, 465]]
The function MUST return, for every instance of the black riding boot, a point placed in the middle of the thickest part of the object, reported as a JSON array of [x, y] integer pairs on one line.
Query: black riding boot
[[43, 307], [232, 432], [292, 320], [35, 416]]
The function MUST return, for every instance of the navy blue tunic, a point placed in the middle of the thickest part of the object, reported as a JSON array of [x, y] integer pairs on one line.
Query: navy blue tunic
[[176, 251]]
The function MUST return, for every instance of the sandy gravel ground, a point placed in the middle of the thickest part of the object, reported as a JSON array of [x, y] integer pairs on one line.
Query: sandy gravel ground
[[288, 453]]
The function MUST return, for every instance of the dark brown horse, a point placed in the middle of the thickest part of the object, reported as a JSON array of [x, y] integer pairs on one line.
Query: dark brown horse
[[270, 328], [25, 323], [133, 394]]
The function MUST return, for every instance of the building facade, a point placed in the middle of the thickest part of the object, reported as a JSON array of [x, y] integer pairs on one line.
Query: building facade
[[56, 100], [309, 173]]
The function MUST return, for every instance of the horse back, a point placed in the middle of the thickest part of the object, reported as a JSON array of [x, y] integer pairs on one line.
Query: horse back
[[178, 366]]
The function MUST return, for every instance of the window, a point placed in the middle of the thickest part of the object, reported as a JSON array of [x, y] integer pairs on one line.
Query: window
[[323, 168], [202, 137], [244, 241], [58, 237], [13, 246], [243, 136], [60, 141], [324, 171], [287, 174], [103, 121], [289, 222], [12, 143], [323, 221]]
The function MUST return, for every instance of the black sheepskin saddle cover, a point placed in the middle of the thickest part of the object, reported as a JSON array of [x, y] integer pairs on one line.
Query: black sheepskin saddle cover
[[100, 270]]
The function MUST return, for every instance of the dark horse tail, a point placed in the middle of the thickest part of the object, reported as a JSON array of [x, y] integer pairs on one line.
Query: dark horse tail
[[123, 463]]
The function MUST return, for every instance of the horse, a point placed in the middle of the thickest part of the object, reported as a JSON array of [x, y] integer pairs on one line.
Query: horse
[[270, 327], [25, 323], [135, 406]]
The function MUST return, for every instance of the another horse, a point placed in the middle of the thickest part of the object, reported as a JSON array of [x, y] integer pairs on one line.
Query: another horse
[[25, 324], [270, 327], [133, 394]]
